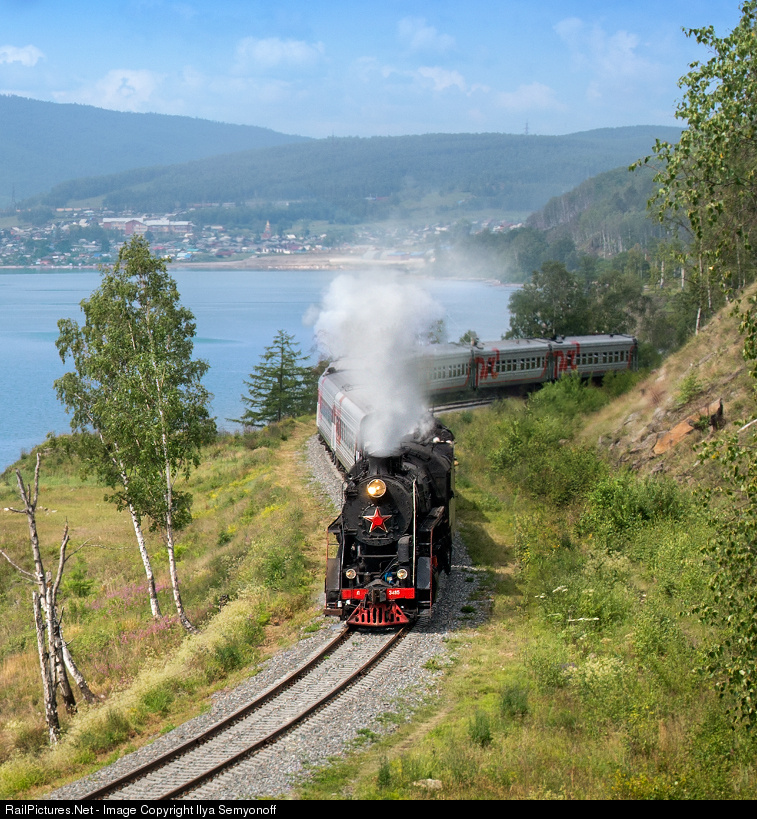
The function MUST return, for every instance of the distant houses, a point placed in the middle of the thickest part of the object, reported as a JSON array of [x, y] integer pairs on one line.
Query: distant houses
[[82, 237], [131, 226]]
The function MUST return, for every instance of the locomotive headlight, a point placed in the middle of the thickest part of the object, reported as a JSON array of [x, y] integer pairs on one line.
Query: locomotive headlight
[[350, 574], [376, 488], [402, 573]]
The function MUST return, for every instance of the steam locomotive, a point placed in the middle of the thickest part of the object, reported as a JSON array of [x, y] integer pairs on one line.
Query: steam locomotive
[[393, 537]]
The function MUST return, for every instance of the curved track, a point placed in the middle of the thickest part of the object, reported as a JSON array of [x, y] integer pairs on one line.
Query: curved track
[[256, 725]]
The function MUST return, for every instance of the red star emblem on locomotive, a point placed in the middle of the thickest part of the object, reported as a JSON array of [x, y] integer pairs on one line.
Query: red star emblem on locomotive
[[377, 520]]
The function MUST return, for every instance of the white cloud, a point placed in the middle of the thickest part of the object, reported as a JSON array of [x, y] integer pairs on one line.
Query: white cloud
[[417, 36], [609, 56], [28, 55], [122, 89], [192, 78], [274, 52], [442, 79], [534, 96]]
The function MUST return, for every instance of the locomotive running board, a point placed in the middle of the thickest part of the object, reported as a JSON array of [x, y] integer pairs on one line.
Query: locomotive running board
[[377, 615]]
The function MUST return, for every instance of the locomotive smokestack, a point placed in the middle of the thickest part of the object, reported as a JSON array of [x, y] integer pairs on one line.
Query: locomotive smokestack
[[383, 465]]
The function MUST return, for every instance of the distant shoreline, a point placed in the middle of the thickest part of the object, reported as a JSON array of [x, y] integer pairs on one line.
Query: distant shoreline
[[306, 261], [278, 261]]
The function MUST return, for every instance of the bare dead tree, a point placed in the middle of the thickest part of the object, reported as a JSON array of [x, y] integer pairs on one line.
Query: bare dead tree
[[54, 656]]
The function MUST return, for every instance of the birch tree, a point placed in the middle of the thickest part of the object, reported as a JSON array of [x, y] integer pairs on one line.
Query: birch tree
[[706, 184], [55, 659], [137, 395]]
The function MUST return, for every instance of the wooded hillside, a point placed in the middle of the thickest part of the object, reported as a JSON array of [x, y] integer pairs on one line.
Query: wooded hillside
[[505, 171], [45, 143]]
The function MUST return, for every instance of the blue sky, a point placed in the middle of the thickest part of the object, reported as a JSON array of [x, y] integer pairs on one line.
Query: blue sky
[[353, 68]]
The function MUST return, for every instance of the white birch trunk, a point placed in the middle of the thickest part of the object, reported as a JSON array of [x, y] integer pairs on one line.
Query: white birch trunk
[[73, 670], [151, 591], [48, 687]]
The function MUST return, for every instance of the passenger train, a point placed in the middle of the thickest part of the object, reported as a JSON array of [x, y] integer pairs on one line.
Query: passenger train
[[393, 537]]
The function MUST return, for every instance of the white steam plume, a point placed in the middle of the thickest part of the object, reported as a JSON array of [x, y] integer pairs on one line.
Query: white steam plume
[[375, 325]]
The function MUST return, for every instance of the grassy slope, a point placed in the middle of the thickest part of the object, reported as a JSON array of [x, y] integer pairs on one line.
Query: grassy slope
[[582, 684], [257, 537], [628, 428]]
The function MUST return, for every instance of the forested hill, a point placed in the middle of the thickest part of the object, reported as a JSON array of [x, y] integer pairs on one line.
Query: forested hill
[[606, 214], [44, 143], [505, 171]]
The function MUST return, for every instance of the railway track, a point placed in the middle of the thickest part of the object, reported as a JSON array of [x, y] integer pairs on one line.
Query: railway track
[[458, 406], [257, 725]]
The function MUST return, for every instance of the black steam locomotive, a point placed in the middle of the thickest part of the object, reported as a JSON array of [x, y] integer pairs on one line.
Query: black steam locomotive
[[393, 537]]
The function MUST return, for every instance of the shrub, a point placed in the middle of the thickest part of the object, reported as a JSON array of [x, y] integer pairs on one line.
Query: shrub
[[655, 633], [617, 382], [563, 475], [533, 451], [547, 663], [29, 739], [158, 700], [110, 730], [283, 568], [588, 600], [76, 582], [228, 657], [226, 535], [567, 398], [479, 729], [513, 701], [690, 387], [384, 777], [21, 774], [621, 503]]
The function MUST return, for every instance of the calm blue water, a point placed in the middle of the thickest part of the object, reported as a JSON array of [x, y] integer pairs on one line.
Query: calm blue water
[[237, 313]]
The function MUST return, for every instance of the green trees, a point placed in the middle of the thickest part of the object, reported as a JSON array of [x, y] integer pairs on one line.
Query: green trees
[[708, 184], [281, 385], [137, 396], [559, 302], [552, 303]]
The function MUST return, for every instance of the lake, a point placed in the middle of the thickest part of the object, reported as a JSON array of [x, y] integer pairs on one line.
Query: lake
[[238, 313]]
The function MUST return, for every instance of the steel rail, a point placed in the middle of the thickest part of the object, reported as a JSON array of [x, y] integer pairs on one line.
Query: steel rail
[[218, 727], [210, 772], [456, 406]]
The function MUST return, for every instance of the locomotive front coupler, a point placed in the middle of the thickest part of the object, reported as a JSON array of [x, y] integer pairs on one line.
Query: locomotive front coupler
[[376, 591]]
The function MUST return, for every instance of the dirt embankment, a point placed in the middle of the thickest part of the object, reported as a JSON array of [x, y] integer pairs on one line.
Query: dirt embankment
[[654, 428]]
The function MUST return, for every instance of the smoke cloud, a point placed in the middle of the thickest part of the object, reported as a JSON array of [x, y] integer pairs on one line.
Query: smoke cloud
[[375, 326]]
